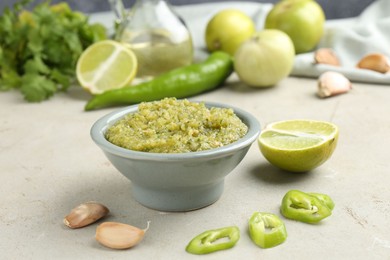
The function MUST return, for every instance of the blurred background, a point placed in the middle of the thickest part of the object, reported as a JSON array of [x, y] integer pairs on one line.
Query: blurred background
[[334, 9]]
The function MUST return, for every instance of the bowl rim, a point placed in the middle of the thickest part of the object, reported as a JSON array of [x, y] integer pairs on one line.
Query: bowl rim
[[100, 126]]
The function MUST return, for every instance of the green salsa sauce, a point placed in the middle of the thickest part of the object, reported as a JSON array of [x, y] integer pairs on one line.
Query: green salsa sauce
[[176, 126]]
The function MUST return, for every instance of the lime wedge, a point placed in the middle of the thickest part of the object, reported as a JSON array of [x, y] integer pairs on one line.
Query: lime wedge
[[298, 145], [106, 65]]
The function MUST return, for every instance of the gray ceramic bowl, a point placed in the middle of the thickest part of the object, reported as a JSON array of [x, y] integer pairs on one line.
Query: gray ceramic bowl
[[176, 182]]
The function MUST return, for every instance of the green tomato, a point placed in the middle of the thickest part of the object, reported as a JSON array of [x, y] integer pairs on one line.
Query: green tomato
[[264, 59], [227, 30], [302, 20]]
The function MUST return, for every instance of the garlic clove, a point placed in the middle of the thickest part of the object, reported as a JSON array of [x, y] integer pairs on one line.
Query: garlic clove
[[85, 214], [118, 235], [332, 83], [326, 56], [376, 62]]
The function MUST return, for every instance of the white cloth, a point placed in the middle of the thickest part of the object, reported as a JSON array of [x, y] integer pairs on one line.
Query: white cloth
[[351, 39]]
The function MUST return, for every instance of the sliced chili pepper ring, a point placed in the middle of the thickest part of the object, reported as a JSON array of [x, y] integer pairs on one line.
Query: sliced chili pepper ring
[[267, 230], [324, 199], [304, 207], [210, 241]]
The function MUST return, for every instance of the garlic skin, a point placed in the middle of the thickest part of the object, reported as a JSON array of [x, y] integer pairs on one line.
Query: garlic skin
[[85, 214], [376, 62], [117, 235], [332, 83]]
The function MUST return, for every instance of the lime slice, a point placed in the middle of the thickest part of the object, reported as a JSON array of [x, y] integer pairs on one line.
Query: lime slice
[[106, 65], [298, 145]]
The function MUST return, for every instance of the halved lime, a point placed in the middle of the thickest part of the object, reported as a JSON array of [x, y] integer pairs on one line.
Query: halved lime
[[106, 65], [298, 145]]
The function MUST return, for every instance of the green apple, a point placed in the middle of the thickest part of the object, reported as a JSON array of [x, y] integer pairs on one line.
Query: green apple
[[302, 20], [227, 30]]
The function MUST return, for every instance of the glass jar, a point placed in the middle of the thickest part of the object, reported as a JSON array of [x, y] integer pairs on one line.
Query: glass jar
[[157, 35]]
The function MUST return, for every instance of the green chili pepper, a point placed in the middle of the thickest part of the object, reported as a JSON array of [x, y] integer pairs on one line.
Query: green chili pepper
[[304, 207], [180, 83], [207, 242], [324, 199], [267, 230]]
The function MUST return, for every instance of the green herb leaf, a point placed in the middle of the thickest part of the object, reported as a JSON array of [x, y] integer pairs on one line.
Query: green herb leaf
[[39, 49], [36, 88]]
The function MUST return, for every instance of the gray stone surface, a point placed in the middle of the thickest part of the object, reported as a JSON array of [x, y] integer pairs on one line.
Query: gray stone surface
[[333, 8]]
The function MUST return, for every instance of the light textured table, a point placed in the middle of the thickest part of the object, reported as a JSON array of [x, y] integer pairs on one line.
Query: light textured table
[[49, 164]]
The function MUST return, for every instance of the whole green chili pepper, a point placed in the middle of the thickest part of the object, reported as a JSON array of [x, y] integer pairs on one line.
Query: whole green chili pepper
[[267, 230], [304, 207], [204, 243], [180, 83]]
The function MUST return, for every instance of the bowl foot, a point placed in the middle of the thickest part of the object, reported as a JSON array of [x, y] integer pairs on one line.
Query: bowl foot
[[178, 199]]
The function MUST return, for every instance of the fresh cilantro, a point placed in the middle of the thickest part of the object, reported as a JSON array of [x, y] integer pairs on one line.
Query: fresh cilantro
[[39, 49]]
